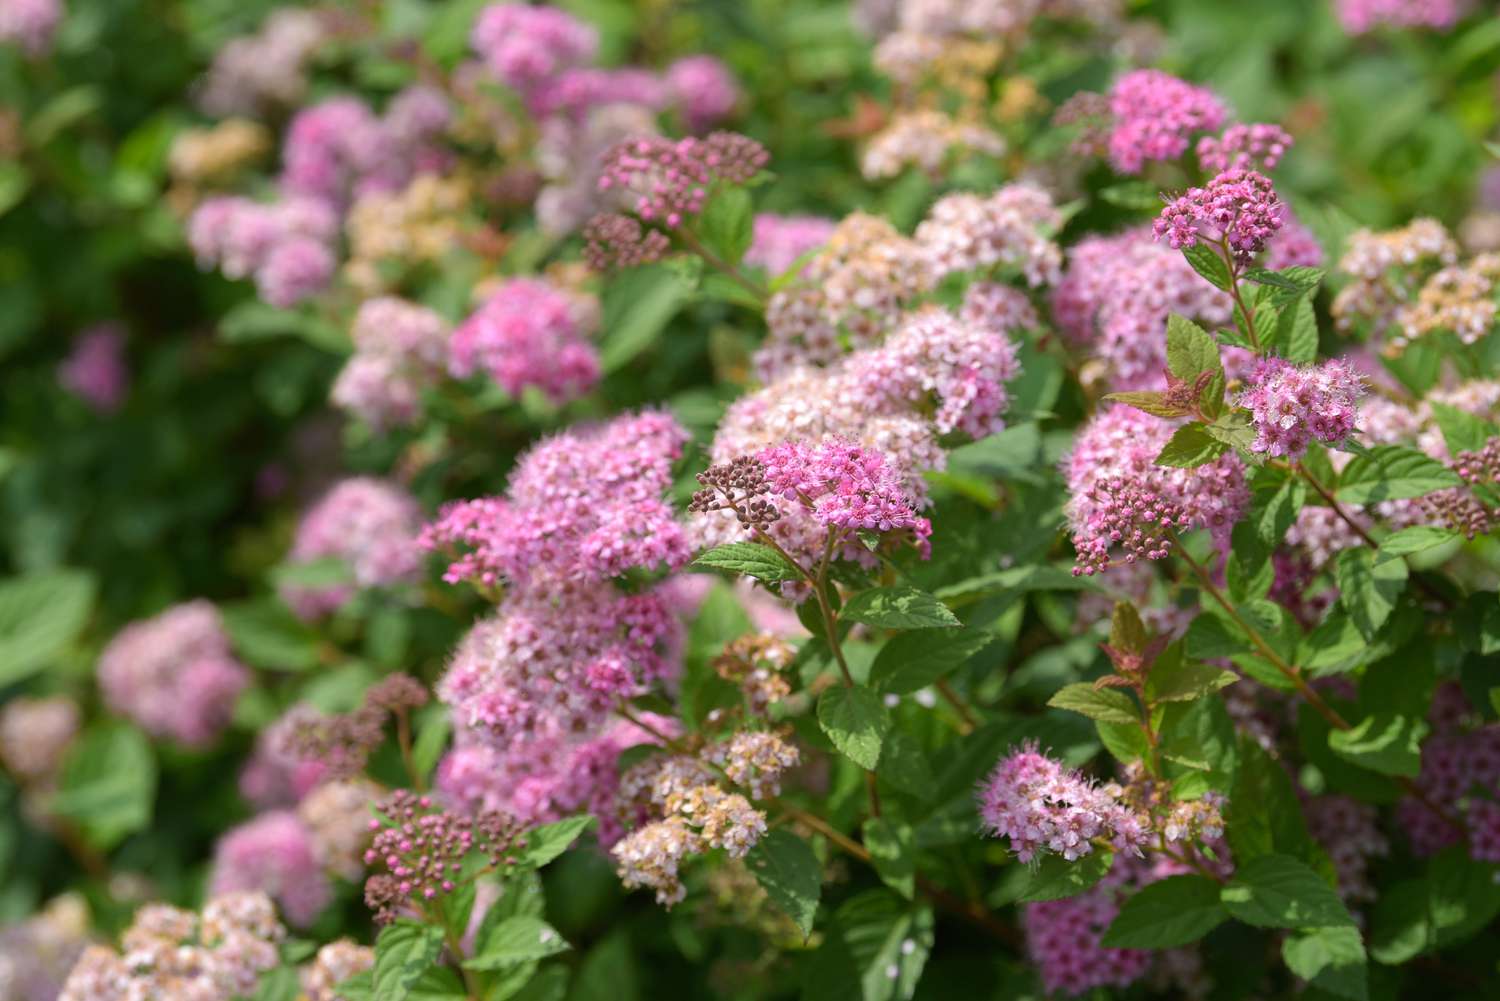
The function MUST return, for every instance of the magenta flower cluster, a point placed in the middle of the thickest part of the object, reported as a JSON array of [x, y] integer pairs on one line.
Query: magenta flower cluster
[[528, 47], [849, 488], [275, 854], [1294, 405], [1154, 115], [666, 181], [1257, 146], [368, 524], [704, 89], [1238, 207], [174, 674], [1361, 16], [30, 24], [339, 149], [95, 369], [1121, 499], [400, 350], [529, 334], [779, 240], [1041, 806], [285, 246]]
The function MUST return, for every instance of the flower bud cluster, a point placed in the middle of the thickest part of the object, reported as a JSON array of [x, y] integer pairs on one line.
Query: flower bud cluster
[[368, 524], [528, 334], [400, 350], [1238, 207]]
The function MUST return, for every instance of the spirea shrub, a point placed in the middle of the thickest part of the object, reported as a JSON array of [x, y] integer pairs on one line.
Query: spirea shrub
[[896, 499]]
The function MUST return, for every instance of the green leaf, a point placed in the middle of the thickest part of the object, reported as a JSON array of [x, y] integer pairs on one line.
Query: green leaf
[[1190, 445], [913, 660], [1462, 431], [1297, 280], [360, 987], [108, 784], [520, 939], [1383, 742], [904, 765], [1278, 891], [898, 608], [1190, 352], [1126, 630], [1368, 591], [1210, 264], [1180, 679], [14, 183], [1332, 959], [434, 726], [892, 855], [1233, 429], [1153, 403], [1454, 898], [266, 634], [1055, 878], [1264, 814], [1297, 333], [1139, 195], [40, 614], [279, 984], [1165, 914], [1102, 704], [637, 305], [330, 571], [1413, 539], [751, 559], [788, 871], [547, 842], [1393, 472], [856, 720], [404, 951], [727, 223], [875, 950]]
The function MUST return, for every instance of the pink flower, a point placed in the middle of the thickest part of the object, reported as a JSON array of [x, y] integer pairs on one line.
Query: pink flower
[[275, 854], [848, 487], [666, 181], [1360, 16], [1041, 806], [1239, 207], [95, 369], [528, 334], [527, 47], [1293, 405], [30, 24], [174, 674], [1244, 147], [780, 239], [1154, 116], [369, 524], [704, 89]]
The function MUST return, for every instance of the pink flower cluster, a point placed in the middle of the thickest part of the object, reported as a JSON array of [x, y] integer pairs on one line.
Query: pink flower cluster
[[1244, 147], [1293, 405], [339, 149], [583, 508], [30, 24], [1154, 115], [174, 674], [704, 89], [1042, 806], [1121, 498], [95, 369], [254, 74], [555, 777], [400, 349], [1010, 228], [1062, 942], [528, 47], [1360, 16], [666, 181], [529, 334], [275, 854], [1461, 773], [847, 487], [285, 246], [1237, 207], [370, 525], [1116, 296], [781, 239]]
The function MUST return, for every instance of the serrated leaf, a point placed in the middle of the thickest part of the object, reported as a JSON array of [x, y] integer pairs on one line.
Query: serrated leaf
[[898, 608], [1055, 878], [1368, 591], [1413, 539], [1163, 915], [1182, 680], [40, 614], [637, 304], [727, 223], [1190, 352], [789, 872], [519, 939], [1126, 630], [404, 950], [1102, 704], [892, 854], [1233, 430], [913, 660], [1462, 431], [1332, 959], [547, 842], [1392, 472], [1383, 742], [856, 720], [1297, 333], [1279, 891], [1153, 403], [1190, 445], [1210, 264], [751, 559]]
